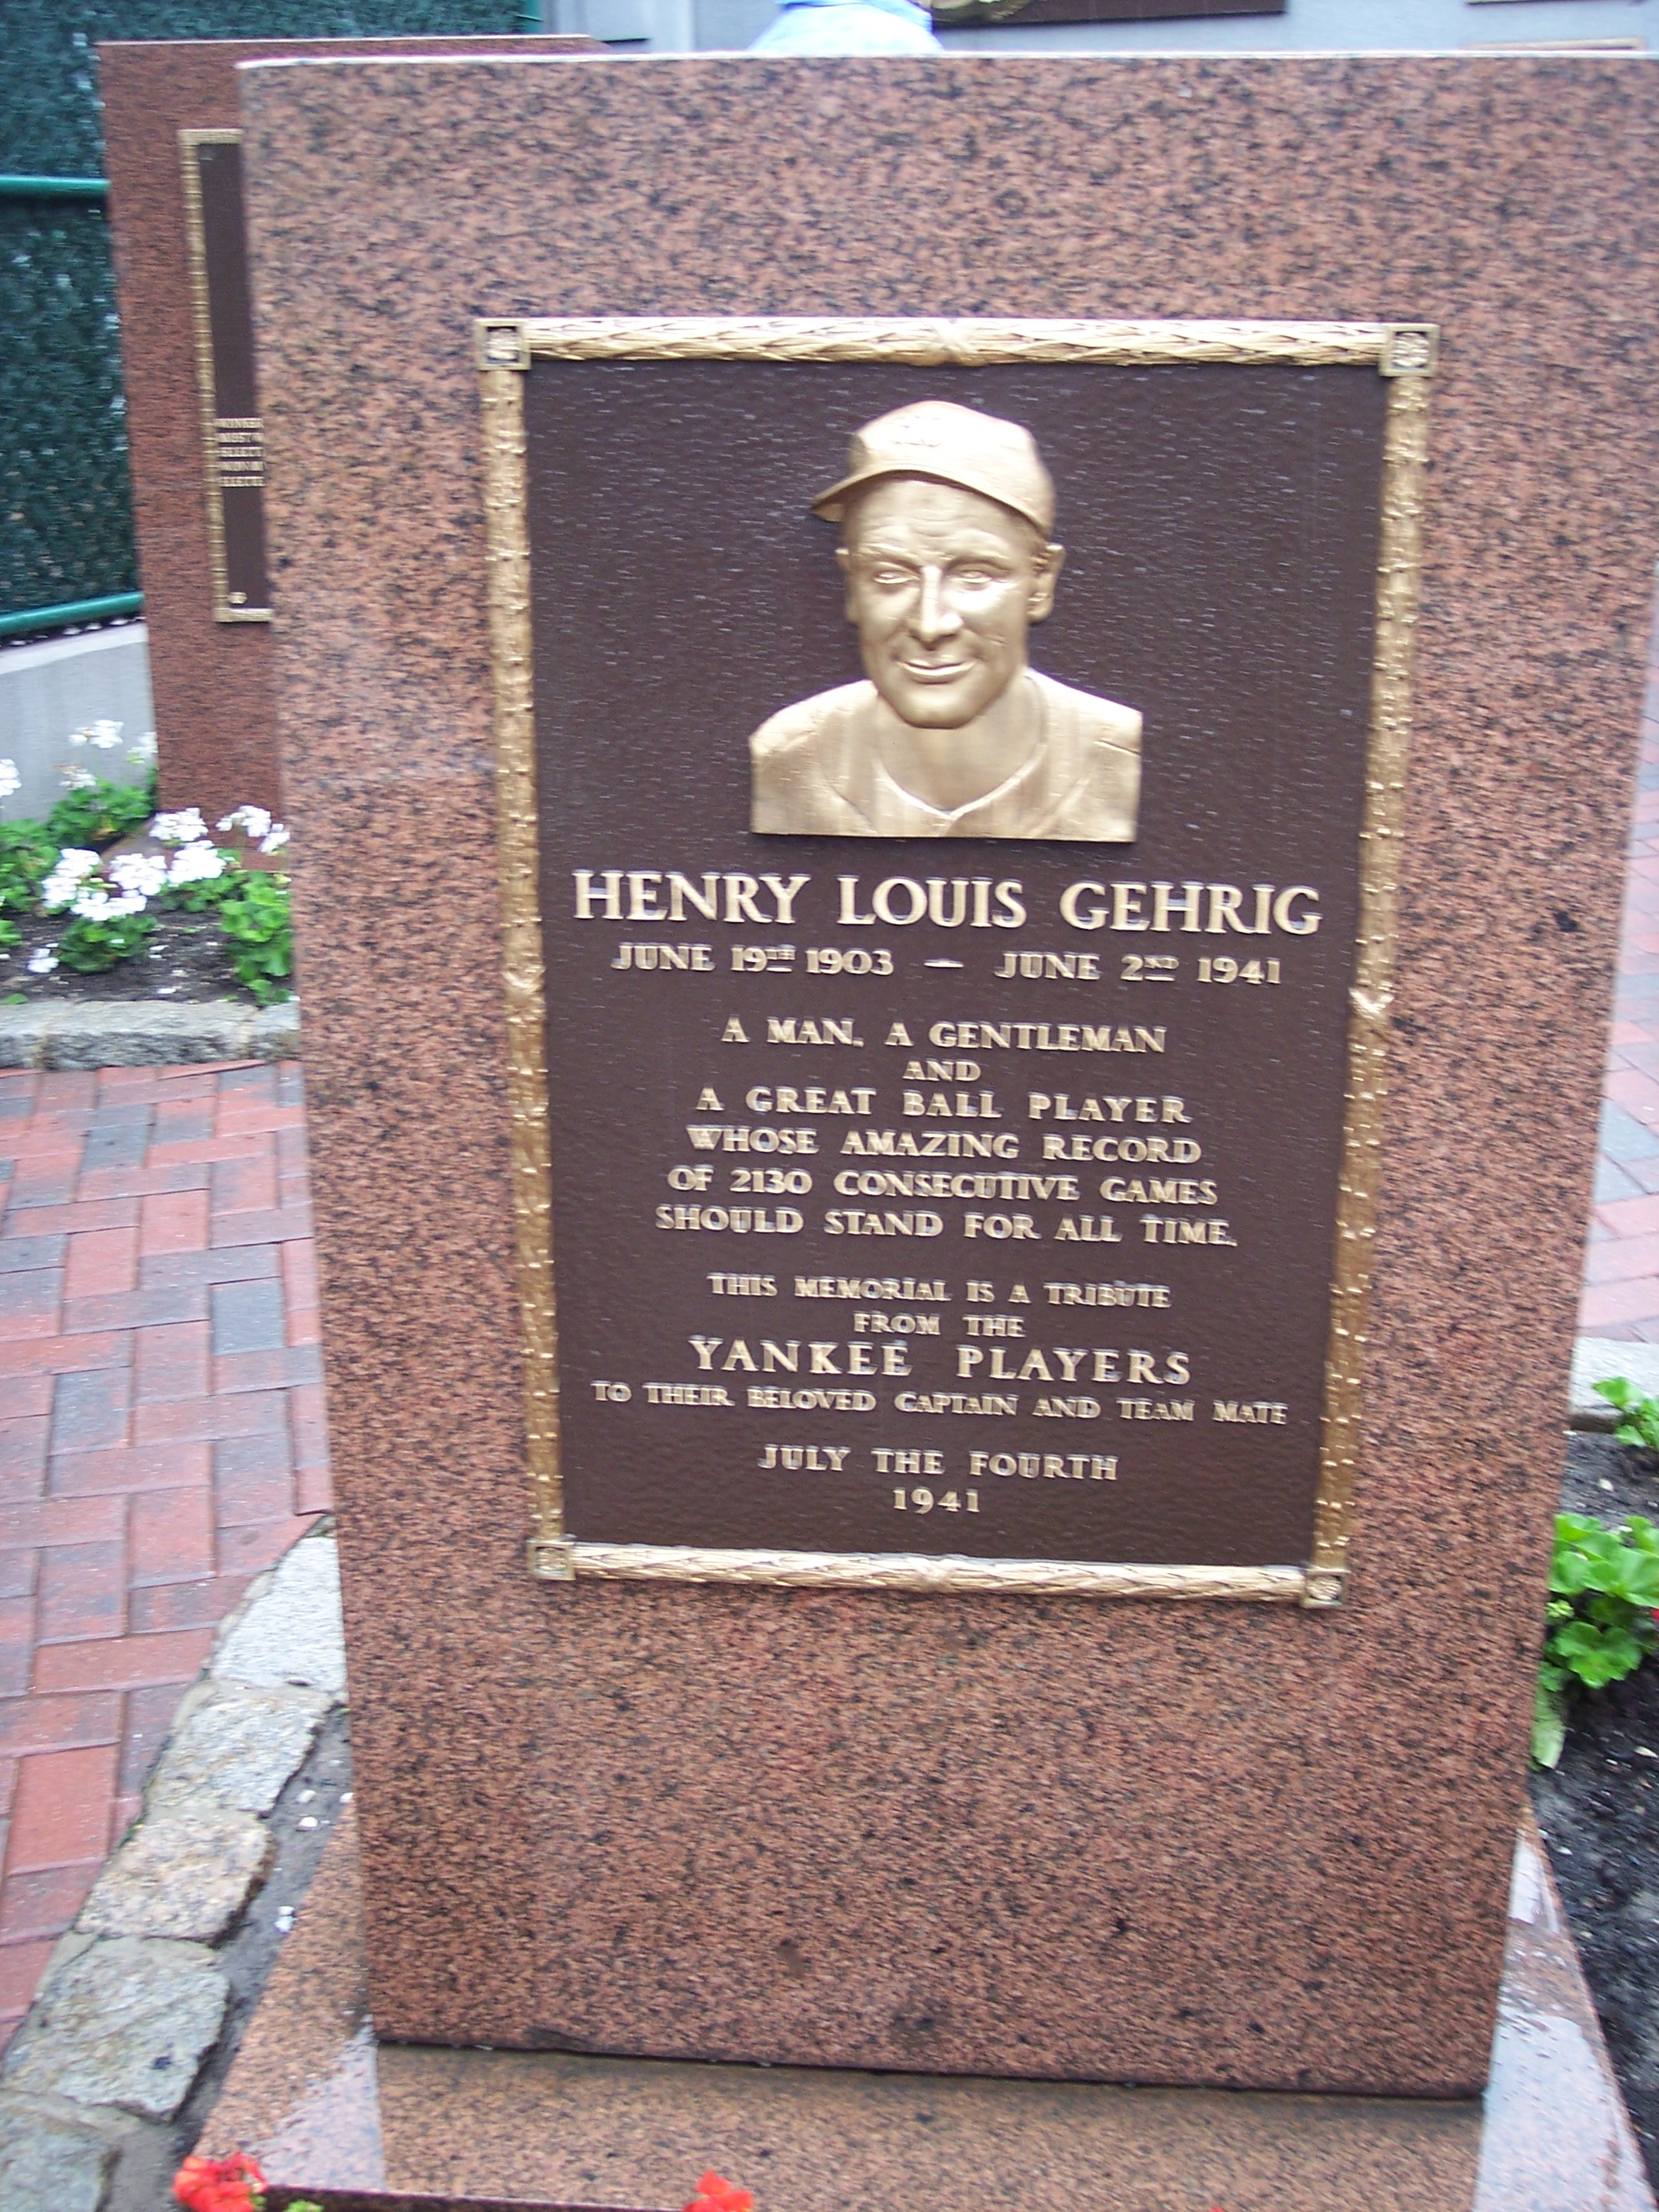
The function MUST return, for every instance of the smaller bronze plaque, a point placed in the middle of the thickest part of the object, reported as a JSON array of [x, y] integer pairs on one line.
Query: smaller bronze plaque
[[232, 430]]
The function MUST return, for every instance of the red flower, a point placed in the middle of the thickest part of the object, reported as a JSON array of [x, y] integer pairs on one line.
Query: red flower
[[715, 2194], [219, 2185]]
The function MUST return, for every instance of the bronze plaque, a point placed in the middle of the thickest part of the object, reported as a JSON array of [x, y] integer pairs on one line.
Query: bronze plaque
[[232, 430], [963, 14], [948, 776]]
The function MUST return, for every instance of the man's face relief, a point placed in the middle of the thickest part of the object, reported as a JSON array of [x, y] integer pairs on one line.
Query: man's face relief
[[943, 586]]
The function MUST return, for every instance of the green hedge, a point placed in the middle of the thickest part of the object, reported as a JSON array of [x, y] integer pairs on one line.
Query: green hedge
[[65, 508]]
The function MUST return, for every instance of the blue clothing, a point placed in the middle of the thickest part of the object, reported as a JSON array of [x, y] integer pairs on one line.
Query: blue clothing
[[848, 27]]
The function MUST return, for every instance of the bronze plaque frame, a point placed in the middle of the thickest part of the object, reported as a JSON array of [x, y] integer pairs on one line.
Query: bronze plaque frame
[[233, 447], [1402, 353]]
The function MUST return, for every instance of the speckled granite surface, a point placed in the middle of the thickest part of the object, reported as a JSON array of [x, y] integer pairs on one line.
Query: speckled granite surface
[[1226, 1846], [213, 709], [329, 2112]]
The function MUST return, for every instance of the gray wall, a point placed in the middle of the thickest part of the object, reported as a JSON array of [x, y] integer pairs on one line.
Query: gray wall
[[1306, 27], [61, 684]]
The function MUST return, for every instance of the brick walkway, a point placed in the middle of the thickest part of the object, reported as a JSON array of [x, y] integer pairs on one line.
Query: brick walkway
[[161, 1435], [1621, 1273]]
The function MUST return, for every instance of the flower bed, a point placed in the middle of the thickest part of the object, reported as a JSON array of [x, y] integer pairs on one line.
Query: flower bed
[[108, 899], [1599, 1811]]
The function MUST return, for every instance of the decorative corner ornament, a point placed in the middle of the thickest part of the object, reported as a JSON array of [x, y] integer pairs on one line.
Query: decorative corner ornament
[[1323, 1588], [502, 345], [552, 1560], [1412, 349]]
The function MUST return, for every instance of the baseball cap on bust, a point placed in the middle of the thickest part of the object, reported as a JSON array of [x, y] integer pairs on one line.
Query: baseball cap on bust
[[953, 445]]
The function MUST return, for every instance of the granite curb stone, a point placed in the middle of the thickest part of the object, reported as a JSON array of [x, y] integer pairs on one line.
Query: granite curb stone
[[236, 1747], [45, 2160], [134, 2002], [289, 1633], [126, 2022], [187, 1874], [137, 1033]]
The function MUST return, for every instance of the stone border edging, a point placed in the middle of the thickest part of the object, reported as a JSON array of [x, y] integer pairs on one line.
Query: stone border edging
[[1598, 1359], [137, 1033], [137, 1999]]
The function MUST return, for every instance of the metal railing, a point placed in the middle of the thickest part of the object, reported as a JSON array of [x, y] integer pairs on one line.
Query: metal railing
[[71, 613], [54, 188]]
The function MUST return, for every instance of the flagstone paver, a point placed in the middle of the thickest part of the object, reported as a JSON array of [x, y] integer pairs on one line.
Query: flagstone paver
[[161, 1437]]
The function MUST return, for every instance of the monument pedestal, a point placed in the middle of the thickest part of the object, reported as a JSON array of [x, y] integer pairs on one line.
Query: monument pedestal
[[334, 2114]]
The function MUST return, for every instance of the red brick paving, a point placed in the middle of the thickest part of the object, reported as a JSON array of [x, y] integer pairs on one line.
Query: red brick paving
[[161, 1436], [1621, 1275]]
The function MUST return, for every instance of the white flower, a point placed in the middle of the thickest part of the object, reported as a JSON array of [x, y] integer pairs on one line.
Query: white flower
[[254, 819], [196, 864], [79, 779], [10, 779], [144, 872], [143, 750], [73, 866], [94, 903], [274, 841], [41, 961], [104, 735], [184, 828]]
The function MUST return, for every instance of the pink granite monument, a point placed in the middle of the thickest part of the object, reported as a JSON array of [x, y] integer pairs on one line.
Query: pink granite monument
[[166, 104], [1087, 1821]]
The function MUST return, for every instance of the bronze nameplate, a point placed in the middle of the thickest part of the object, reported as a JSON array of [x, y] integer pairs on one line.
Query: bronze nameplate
[[950, 779], [232, 430], [963, 14]]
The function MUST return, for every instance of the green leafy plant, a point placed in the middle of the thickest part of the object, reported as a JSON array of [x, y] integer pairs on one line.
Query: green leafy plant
[[26, 852], [257, 922], [1640, 1424], [1604, 1587], [95, 813], [195, 894], [91, 946]]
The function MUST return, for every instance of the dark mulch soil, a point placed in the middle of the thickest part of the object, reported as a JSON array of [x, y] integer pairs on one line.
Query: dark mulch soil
[[187, 959], [1600, 1814]]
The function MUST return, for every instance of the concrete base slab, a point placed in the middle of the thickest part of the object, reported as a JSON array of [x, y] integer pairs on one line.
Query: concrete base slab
[[136, 1033], [333, 2115], [1599, 1359]]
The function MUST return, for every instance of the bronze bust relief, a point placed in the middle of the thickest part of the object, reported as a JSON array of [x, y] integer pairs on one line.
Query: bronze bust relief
[[945, 516]]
